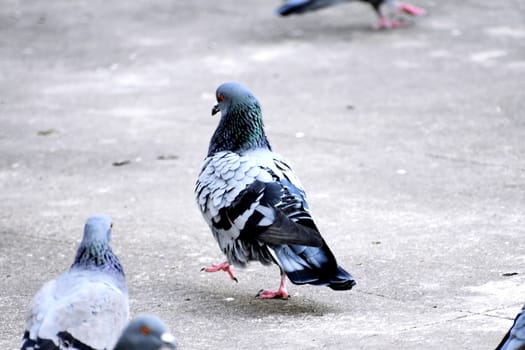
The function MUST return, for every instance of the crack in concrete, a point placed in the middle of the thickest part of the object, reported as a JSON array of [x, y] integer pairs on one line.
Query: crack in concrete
[[377, 295]]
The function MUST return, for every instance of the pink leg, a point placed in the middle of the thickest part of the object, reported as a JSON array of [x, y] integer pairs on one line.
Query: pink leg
[[225, 266], [410, 9], [280, 293]]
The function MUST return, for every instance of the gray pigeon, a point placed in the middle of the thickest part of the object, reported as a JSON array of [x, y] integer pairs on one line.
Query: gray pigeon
[[87, 306], [146, 332], [515, 337], [388, 11], [254, 203]]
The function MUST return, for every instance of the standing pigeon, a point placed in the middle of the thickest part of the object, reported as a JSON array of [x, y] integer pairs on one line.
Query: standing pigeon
[[146, 332], [386, 18], [515, 337], [255, 205], [87, 306]]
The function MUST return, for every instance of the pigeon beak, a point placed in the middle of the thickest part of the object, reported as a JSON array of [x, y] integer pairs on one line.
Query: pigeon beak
[[168, 340], [215, 109]]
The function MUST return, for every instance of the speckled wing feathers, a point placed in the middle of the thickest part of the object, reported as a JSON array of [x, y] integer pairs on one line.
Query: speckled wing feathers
[[223, 176], [253, 198]]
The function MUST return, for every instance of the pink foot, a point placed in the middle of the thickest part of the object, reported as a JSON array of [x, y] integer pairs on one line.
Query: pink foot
[[410, 9], [268, 294], [388, 24], [281, 293], [225, 266]]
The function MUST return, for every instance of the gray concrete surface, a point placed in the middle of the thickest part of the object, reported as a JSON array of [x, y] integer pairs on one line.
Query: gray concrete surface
[[410, 144]]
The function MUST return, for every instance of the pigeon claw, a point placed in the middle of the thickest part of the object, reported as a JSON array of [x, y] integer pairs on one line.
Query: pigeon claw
[[224, 266], [268, 294], [388, 24], [281, 293]]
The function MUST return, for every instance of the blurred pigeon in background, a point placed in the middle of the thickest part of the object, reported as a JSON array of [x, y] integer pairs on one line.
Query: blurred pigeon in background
[[85, 307], [146, 332], [255, 205], [515, 337], [390, 12]]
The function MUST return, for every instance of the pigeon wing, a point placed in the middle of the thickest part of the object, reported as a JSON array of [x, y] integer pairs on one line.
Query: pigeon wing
[[255, 196], [265, 211]]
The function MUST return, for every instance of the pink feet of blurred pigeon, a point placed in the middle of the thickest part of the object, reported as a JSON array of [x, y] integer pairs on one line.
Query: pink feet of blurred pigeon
[[410, 9], [385, 23], [225, 266], [281, 293]]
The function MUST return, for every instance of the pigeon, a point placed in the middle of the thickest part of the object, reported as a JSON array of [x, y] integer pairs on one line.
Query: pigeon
[[146, 332], [387, 19], [255, 205], [87, 306], [515, 337]]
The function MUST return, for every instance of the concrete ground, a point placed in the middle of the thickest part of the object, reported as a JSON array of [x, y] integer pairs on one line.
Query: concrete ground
[[410, 144]]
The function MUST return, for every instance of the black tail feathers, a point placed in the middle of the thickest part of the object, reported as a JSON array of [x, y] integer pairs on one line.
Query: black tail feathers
[[312, 265]]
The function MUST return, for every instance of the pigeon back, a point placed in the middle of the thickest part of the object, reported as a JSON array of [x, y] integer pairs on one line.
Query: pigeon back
[[82, 307], [86, 307]]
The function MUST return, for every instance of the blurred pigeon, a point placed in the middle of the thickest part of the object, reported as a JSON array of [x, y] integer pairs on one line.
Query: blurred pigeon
[[85, 307], [255, 205], [146, 332], [515, 337], [388, 17]]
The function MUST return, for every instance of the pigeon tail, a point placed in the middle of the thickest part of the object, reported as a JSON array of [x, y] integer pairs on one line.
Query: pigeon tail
[[312, 265]]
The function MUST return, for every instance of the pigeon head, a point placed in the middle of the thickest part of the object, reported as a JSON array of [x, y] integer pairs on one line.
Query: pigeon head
[[97, 228], [233, 94], [146, 332], [94, 250], [241, 127]]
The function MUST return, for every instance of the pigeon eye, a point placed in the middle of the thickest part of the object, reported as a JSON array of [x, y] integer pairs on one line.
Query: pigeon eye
[[145, 330], [111, 225], [220, 97]]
